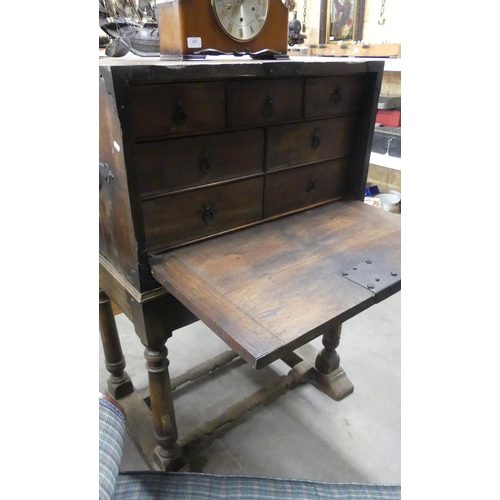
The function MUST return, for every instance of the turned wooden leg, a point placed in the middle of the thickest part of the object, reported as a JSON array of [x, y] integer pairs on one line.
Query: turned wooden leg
[[167, 455], [328, 375], [119, 383]]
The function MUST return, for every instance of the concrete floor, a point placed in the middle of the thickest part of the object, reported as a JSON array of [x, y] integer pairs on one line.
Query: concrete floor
[[303, 434]]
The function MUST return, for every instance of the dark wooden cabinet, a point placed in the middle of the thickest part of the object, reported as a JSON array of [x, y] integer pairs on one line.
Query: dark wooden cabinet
[[236, 169], [181, 137]]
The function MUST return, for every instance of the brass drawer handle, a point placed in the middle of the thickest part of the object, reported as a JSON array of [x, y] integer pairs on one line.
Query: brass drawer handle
[[180, 116], [268, 106], [311, 184], [204, 162], [337, 94], [315, 139], [207, 213]]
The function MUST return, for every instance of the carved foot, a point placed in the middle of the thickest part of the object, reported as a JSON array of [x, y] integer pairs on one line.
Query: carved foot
[[335, 385], [119, 387], [173, 461]]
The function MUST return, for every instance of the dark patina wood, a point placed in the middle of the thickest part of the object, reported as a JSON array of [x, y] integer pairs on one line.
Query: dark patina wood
[[191, 151], [335, 95], [308, 142], [119, 383], [174, 219], [295, 189], [179, 108], [175, 164], [272, 101], [269, 289]]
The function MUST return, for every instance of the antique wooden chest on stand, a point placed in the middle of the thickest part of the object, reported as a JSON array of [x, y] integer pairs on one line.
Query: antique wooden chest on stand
[[231, 191]]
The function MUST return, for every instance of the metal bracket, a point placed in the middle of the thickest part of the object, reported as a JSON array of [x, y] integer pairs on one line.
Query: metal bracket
[[105, 173], [374, 276]]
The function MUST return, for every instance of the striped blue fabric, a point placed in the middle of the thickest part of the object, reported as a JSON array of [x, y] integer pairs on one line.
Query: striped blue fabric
[[194, 486], [111, 431]]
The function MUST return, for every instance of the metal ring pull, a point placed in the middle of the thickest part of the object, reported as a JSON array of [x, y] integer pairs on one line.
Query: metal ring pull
[[268, 106], [337, 94], [311, 185], [207, 213], [180, 116], [204, 160], [315, 139]]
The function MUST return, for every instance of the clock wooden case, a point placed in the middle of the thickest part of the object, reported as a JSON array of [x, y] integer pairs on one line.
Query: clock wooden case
[[193, 29]]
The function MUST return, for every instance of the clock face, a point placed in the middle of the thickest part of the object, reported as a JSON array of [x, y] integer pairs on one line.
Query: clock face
[[241, 20]]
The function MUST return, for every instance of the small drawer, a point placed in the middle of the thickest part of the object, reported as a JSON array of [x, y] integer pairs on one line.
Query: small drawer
[[179, 163], [176, 219], [309, 142], [332, 96], [177, 108], [259, 102], [305, 186]]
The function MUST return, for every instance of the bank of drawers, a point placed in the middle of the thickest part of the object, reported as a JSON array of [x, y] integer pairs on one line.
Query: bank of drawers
[[214, 156]]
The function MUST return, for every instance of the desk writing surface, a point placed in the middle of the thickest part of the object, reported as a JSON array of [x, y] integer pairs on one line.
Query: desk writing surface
[[271, 288]]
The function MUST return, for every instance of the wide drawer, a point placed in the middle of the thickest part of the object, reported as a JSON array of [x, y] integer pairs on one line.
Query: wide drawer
[[309, 142], [260, 102], [333, 95], [179, 163], [177, 108], [305, 186], [175, 219]]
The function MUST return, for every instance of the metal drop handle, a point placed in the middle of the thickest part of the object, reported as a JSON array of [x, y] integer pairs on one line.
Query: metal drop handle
[[337, 94], [204, 160], [315, 139], [268, 106], [311, 185], [207, 213], [180, 116]]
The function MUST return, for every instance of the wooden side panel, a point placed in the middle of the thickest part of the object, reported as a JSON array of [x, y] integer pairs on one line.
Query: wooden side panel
[[116, 232]]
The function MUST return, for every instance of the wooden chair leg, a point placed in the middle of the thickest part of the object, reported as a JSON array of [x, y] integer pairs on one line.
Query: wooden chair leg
[[328, 374], [119, 383]]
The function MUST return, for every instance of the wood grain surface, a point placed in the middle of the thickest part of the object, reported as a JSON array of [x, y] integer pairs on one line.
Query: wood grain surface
[[271, 288]]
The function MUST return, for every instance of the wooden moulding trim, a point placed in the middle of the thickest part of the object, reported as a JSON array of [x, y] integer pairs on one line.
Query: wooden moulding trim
[[133, 292]]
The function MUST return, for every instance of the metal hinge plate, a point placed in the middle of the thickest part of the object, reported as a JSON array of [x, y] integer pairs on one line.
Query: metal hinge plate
[[372, 275]]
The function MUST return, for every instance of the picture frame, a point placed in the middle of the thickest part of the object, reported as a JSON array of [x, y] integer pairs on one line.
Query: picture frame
[[341, 20]]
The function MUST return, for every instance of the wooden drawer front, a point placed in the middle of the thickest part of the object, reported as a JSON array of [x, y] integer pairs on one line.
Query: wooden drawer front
[[289, 145], [177, 108], [175, 219], [304, 186], [261, 102], [178, 163], [333, 95]]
